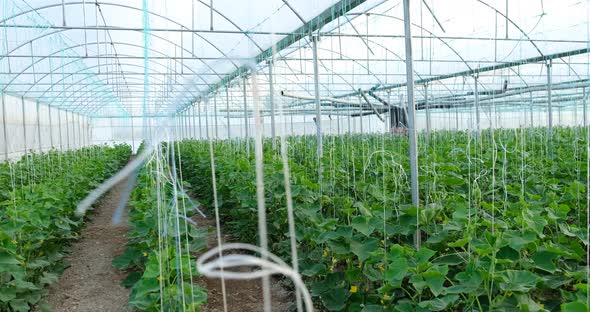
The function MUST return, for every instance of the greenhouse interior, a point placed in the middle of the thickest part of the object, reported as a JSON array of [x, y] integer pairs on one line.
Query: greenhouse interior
[[294, 155]]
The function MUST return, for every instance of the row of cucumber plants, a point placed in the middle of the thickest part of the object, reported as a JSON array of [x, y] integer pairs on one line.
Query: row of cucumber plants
[[34, 168], [159, 258], [502, 218], [38, 221]]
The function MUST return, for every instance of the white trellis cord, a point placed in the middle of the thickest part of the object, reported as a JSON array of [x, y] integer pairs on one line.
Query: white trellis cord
[[210, 267]]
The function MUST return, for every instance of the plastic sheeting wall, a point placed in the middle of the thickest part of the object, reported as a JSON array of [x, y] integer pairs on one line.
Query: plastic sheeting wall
[[113, 130], [35, 127]]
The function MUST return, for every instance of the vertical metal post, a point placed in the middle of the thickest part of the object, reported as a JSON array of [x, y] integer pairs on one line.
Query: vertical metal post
[[179, 123], [456, 118], [79, 131], [215, 116], [411, 116], [246, 135], [477, 118], [389, 125], [68, 131], [291, 116], [585, 107], [191, 121], [59, 129], [186, 124], [24, 124], [361, 113], [50, 127], [272, 104], [338, 123], [82, 131], [199, 105], [207, 119], [63, 12], [38, 127], [318, 109], [132, 136], [227, 112], [549, 104], [349, 125], [427, 105], [531, 108], [4, 133]]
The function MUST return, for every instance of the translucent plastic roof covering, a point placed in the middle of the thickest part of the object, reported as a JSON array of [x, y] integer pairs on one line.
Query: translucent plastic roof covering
[[132, 57]]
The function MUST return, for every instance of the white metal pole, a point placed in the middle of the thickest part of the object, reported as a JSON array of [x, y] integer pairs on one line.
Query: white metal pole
[[59, 129], [4, 133], [411, 117], [68, 131], [246, 136], [227, 112], [199, 106], [272, 104], [531, 108], [50, 127], [24, 124], [549, 104], [427, 105], [318, 109], [79, 131], [38, 127], [585, 106], [216, 124], [132, 136], [477, 117]]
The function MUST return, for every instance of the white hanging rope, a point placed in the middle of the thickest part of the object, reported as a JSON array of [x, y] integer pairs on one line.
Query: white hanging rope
[[216, 268]]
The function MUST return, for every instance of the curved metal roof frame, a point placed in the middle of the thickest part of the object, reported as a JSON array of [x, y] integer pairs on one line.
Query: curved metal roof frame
[[191, 97]]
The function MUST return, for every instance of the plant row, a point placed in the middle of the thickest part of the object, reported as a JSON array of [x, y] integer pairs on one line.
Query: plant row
[[502, 217], [159, 257], [37, 221]]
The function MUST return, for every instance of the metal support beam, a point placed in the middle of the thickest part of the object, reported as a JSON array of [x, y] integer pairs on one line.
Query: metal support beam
[[206, 104], [246, 135], [227, 113], [531, 110], [50, 127], [476, 102], [324, 18], [427, 105], [132, 136], [4, 132], [68, 130], [372, 107], [79, 130], [38, 128], [549, 104], [411, 117], [316, 81], [585, 109], [24, 124], [59, 130], [215, 116], [272, 104], [199, 105]]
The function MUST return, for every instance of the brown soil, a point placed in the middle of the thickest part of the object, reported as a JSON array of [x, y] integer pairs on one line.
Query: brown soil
[[242, 295], [91, 283]]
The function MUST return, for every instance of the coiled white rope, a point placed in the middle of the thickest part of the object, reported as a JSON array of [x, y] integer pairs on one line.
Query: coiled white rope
[[220, 267]]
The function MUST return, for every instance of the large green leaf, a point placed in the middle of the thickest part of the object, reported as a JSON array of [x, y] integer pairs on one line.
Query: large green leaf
[[335, 299], [363, 248], [576, 306], [518, 280], [361, 224]]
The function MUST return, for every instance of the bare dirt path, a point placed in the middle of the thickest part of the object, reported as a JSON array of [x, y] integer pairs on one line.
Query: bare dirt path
[[91, 283], [242, 296]]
